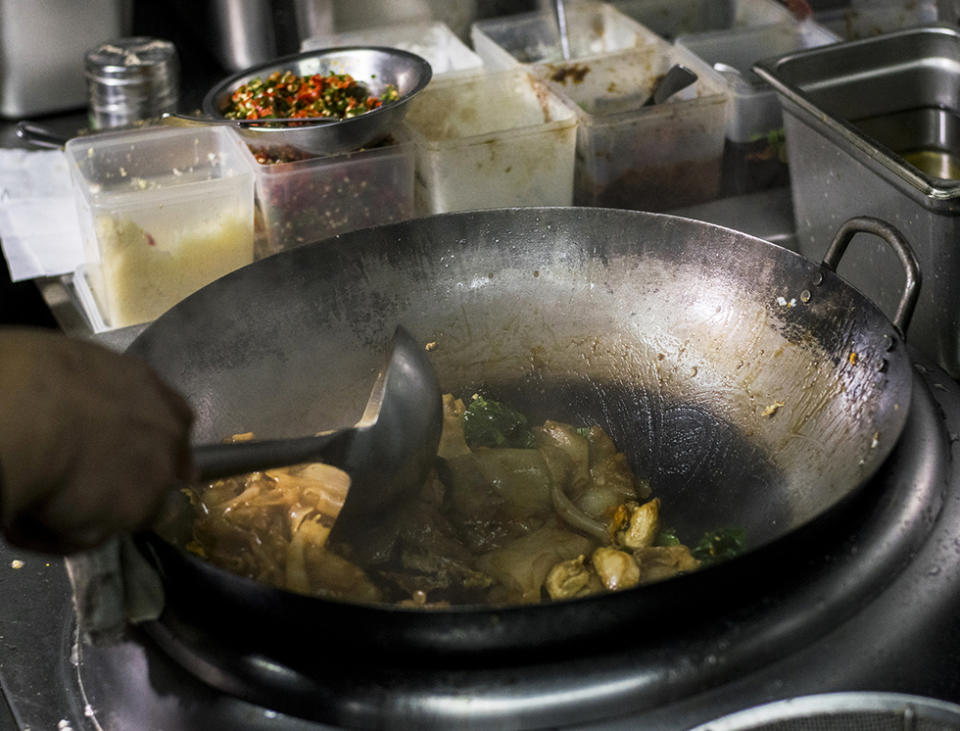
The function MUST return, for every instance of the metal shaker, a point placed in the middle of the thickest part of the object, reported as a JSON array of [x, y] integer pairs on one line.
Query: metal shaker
[[130, 80]]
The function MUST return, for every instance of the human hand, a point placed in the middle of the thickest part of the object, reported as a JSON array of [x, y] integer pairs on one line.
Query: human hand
[[91, 441]]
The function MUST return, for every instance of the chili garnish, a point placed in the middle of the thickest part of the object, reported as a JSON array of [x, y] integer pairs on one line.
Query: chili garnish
[[284, 95]]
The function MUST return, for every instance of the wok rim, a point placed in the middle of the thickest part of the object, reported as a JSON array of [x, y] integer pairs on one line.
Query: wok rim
[[898, 350]]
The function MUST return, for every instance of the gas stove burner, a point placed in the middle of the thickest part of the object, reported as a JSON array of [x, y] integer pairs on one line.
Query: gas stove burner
[[873, 610]]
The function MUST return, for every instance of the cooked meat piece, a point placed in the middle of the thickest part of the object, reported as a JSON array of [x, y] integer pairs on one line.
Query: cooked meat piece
[[522, 566], [661, 562], [636, 526], [571, 579], [616, 569]]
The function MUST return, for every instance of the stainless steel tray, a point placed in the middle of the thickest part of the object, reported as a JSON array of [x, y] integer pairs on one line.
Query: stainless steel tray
[[855, 115]]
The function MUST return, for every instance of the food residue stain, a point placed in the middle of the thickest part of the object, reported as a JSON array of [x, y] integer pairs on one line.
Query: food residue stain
[[772, 408], [576, 72]]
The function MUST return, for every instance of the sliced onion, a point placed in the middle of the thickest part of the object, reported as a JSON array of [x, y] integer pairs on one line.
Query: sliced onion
[[574, 517]]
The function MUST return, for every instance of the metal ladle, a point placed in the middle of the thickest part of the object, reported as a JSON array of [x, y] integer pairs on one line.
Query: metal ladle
[[387, 453]]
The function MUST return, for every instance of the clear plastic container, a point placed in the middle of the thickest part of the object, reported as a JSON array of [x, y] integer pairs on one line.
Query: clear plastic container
[[673, 18], [592, 28], [755, 109], [630, 156], [303, 199], [755, 153], [163, 212], [443, 50], [500, 139]]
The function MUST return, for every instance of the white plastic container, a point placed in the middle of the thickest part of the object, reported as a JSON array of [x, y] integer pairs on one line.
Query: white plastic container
[[755, 108], [313, 198], [648, 158], [163, 212], [592, 28], [500, 139], [435, 42], [673, 18]]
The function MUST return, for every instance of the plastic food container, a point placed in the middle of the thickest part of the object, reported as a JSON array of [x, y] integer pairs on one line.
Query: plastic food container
[[630, 156], [755, 153], [500, 139], [673, 18], [163, 212], [301, 198], [592, 28], [435, 42]]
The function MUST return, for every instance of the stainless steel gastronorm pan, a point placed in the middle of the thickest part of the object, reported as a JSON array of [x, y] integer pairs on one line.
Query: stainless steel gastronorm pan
[[855, 114]]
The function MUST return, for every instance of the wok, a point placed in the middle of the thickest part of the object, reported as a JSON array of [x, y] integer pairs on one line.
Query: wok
[[752, 386]]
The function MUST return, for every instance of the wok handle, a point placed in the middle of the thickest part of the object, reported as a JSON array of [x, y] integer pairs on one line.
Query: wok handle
[[215, 461], [896, 241]]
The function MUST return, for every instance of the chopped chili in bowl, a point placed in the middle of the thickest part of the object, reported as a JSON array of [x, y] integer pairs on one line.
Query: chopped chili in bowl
[[284, 95]]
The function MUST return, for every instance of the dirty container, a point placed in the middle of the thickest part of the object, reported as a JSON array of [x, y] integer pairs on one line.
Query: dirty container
[[163, 211], [754, 151], [433, 41], [592, 28], [302, 198], [873, 128], [630, 156], [500, 139], [673, 18]]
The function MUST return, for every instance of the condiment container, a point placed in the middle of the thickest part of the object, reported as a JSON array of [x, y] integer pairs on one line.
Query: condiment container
[[163, 212], [673, 18], [500, 139], [302, 198], [433, 41], [872, 130], [630, 156], [130, 80], [592, 28], [755, 153]]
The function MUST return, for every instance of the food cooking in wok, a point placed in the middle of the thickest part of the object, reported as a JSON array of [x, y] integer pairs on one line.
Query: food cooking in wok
[[512, 513]]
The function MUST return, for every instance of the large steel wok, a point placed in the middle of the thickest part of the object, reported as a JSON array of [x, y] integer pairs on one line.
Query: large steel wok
[[753, 387]]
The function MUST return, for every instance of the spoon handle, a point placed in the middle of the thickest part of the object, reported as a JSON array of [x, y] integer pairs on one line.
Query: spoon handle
[[215, 461], [40, 136]]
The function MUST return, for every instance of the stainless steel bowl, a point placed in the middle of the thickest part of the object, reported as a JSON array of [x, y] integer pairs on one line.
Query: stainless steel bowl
[[374, 67]]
